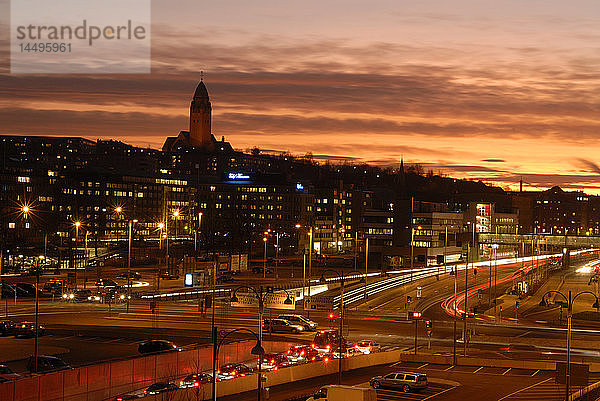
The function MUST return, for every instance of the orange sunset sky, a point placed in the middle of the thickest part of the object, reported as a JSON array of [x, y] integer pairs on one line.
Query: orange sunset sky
[[490, 90]]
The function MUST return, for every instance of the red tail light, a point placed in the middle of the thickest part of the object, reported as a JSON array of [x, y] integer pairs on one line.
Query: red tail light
[[326, 359], [312, 345], [181, 383], [302, 353], [289, 352], [196, 384], [272, 360]]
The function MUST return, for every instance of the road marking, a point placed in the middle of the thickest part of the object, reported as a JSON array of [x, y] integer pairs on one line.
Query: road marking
[[478, 369], [535, 373], [523, 389], [422, 366], [397, 363], [440, 393], [524, 334], [448, 368], [506, 371]]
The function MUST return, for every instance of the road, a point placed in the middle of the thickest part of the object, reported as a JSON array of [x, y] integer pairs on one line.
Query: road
[[447, 382], [85, 333]]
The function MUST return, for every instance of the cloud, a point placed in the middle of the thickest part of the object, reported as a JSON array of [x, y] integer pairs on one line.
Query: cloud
[[494, 160]]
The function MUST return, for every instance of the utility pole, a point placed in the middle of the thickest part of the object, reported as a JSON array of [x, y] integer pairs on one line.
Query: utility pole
[[366, 264], [466, 314]]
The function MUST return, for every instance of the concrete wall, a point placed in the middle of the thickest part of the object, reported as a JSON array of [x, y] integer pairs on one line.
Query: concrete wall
[[281, 376], [106, 380]]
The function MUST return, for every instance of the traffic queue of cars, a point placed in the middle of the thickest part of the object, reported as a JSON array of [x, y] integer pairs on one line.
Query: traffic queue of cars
[[324, 347]]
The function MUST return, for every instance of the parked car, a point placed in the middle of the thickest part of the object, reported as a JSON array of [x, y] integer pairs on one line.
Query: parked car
[[273, 361], [308, 324], [169, 276], [54, 287], [281, 326], [107, 283], [160, 387], [6, 373], [26, 290], [195, 379], [367, 346], [225, 278], [46, 363], [130, 275], [7, 327], [259, 269], [405, 381], [233, 370], [152, 346], [27, 329], [8, 290]]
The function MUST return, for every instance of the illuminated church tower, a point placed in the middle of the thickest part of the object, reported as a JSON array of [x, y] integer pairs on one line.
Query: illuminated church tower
[[200, 116], [199, 136]]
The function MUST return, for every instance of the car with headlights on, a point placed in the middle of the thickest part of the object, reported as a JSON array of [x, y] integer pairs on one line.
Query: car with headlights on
[[281, 326], [195, 380], [274, 361], [300, 320], [233, 370], [27, 329], [367, 346], [153, 346], [160, 387]]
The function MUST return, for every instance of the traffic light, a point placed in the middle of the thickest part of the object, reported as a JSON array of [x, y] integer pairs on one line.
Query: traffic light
[[516, 304], [408, 299], [428, 324], [331, 317]]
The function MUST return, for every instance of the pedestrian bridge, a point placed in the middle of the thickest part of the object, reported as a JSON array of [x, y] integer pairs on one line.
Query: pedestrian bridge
[[567, 241]]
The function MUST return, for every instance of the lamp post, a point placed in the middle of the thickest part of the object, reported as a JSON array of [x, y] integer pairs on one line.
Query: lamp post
[[118, 211], [198, 233], [260, 296], [256, 350], [366, 266], [340, 336], [130, 232], [265, 258], [570, 300], [77, 225]]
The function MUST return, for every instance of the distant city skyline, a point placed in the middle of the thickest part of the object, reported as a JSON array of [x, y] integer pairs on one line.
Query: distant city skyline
[[486, 90]]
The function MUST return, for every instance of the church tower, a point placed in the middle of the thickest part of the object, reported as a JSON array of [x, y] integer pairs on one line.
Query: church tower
[[200, 117]]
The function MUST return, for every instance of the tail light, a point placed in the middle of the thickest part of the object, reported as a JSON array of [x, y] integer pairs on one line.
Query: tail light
[[218, 371], [275, 368], [272, 360], [312, 345], [196, 384], [302, 353], [233, 373], [289, 352], [370, 348], [326, 359], [181, 383], [313, 358]]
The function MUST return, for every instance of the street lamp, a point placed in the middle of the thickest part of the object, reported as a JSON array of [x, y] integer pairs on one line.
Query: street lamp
[[260, 296], [570, 300], [265, 258], [118, 211], [77, 225], [256, 350], [322, 280]]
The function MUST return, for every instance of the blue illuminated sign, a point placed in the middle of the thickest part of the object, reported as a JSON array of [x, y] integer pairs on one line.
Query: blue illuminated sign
[[299, 187], [238, 176]]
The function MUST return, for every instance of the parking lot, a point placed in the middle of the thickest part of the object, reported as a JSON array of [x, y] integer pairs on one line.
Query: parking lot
[[433, 390]]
